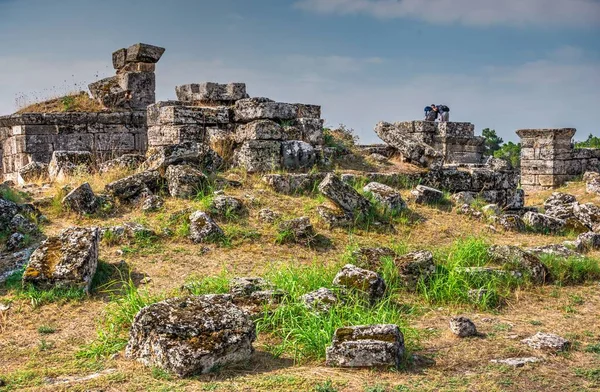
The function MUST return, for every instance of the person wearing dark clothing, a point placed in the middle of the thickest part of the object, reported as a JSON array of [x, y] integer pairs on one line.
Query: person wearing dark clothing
[[430, 115]]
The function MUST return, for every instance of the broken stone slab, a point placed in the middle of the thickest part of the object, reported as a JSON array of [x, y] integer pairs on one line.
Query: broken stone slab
[[211, 92], [361, 280], [203, 228], [258, 155], [33, 171], [516, 362], [251, 109], [586, 242], [588, 214], [547, 342], [366, 346], [464, 197], [298, 230], [543, 223], [81, 200], [321, 300], [462, 327], [293, 183], [22, 225], [152, 203], [559, 199], [184, 181], [297, 155], [415, 267], [227, 205], [140, 87], [259, 130], [66, 260], [124, 162], [268, 216], [191, 335], [191, 153], [344, 196], [142, 53], [135, 188], [175, 113], [509, 222], [385, 195], [524, 261], [67, 163], [412, 150], [335, 218], [426, 195], [553, 249], [109, 93]]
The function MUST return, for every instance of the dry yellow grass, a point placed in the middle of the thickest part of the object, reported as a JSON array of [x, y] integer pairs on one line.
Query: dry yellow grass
[[461, 365], [75, 102]]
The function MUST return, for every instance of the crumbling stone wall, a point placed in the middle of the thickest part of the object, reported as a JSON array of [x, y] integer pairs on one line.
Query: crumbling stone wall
[[549, 159], [258, 134], [32, 137], [456, 141]]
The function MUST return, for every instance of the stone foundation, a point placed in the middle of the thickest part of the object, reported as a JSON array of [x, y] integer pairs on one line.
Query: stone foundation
[[549, 159]]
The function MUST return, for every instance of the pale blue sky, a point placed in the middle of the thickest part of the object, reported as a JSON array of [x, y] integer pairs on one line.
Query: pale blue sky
[[501, 64]]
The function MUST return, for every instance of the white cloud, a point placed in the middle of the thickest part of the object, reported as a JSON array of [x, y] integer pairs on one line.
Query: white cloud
[[469, 12]]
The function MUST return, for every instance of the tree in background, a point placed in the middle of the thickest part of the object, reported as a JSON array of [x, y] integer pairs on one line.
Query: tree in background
[[492, 141], [591, 142], [510, 152]]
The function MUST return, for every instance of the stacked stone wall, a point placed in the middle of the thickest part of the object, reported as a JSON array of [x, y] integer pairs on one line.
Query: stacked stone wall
[[549, 159]]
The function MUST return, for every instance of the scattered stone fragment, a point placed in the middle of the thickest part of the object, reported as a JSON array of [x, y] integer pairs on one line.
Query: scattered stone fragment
[[321, 300], [467, 210], [244, 286], [254, 294], [543, 223], [203, 228], [554, 249], [371, 258], [184, 181], [412, 150], [547, 341], [299, 230], [425, 195], [588, 214], [81, 200], [23, 225], [67, 163], [491, 209], [191, 335], [361, 280], [33, 171], [344, 196], [15, 241], [268, 216], [335, 218], [509, 222], [11, 262], [366, 346], [198, 155], [67, 260], [525, 261], [135, 188], [587, 242], [227, 205], [464, 198], [375, 157], [592, 182], [293, 183], [387, 196], [462, 327], [516, 362], [152, 203], [415, 267]]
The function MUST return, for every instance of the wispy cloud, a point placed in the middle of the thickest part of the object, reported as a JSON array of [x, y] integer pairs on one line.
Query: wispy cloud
[[572, 13]]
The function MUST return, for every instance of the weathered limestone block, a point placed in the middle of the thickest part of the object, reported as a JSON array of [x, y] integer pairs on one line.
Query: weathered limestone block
[[124, 162], [522, 260], [587, 242], [81, 200], [509, 222], [361, 280], [366, 346], [296, 154], [547, 342], [253, 294], [67, 163], [259, 130], [344, 196], [413, 150], [426, 195], [191, 153], [544, 223], [321, 300], [143, 53], [140, 86], [33, 171], [553, 249], [174, 113], [588, 214], [152, 203], [259, 155], [387, 196], [462, 327], [136, 187], [137, 67], [211, 92], [109, 93], [15, 241], [592, 182], [415, 267], [191, 335], [250, 109], [293, 183], [300, 230], [335, 217], [67, 260], [21, 224], [309, 129], [464, 197], [118, 58], [184, 181], [268, 216], [203, 228], [227, 205], [8, 210]]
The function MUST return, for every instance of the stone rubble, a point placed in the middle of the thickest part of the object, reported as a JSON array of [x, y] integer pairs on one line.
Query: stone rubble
[[462, 327], [547, 342], [81, 200], [527, 262], [385, 195], [366, 282], [203, 228], [426, 195]]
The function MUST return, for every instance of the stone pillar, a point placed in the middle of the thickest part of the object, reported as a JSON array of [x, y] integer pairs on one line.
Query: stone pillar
[[547, 158]]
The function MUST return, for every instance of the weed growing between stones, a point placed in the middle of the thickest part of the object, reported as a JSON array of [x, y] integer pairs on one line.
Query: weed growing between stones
[[13, 195]]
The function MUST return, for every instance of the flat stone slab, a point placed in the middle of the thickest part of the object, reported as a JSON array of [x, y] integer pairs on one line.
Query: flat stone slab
[[516, 362], [209, 91]]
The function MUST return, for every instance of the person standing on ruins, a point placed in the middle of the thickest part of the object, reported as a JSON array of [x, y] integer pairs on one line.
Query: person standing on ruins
[[430, 115], [442, 112]]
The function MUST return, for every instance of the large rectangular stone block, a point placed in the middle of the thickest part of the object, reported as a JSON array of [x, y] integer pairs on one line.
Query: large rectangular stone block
[[144, 53], [177, 114], [208, 91], [114, 141], [141, 86], [259, 155], [251, 109], [259, 130], [74, 142], [163, 135], [456, 129]]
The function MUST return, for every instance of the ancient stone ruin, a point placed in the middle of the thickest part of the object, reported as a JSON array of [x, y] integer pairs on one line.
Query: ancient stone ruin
[[549, 159]]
